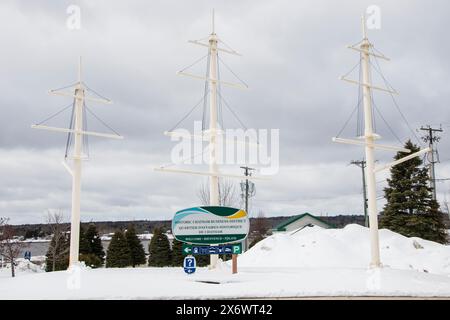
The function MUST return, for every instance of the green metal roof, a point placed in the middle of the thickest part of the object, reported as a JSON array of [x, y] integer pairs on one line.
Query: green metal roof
[[282, 226]]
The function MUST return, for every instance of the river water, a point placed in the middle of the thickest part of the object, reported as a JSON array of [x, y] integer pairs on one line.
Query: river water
[[40, 248]]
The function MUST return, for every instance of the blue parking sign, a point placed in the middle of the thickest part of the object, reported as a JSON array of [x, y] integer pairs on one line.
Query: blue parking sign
[[189, 264]]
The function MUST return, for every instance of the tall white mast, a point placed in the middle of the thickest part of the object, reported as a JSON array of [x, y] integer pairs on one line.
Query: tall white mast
[[370, 159], [211, 135], [79, 96], [214, 179], [76, 177], [369, 142]]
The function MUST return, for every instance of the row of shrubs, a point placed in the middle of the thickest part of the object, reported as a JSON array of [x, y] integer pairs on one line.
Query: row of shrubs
[[124, 250]]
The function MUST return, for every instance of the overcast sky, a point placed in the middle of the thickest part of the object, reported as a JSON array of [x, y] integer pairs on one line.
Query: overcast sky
[[292, 55]]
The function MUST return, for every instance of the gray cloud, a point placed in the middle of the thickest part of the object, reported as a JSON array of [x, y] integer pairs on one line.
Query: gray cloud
[[293, 53]]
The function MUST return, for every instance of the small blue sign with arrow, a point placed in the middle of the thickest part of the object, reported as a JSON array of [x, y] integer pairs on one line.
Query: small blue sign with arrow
[[189, 264]]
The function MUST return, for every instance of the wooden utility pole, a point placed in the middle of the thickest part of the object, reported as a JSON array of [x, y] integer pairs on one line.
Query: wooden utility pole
[[362, 165], [248, 191], [431, 138], [247, 173]]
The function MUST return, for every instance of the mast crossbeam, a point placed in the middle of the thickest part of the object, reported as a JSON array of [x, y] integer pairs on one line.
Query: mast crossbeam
[[210, 174], [367, 85], [409, 157], [207, 136], [82, 132], [369, 53], [69, 94], [218, 49], [372, 145], [225, 83]]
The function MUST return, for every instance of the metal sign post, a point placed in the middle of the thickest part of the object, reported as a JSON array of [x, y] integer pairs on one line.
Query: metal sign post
[[234, 263]]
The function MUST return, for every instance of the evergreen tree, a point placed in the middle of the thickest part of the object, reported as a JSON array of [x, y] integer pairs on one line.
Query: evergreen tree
[[57, 253], [118, 253], [137, 252], [90, 260], [84, 243], [202, 260], [159, 250], [95, 243], [178, 257], [177, 254], [225, 257], [410, 209], [91, 248]]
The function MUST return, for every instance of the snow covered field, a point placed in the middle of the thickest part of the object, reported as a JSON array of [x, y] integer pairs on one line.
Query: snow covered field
[[312, 262]]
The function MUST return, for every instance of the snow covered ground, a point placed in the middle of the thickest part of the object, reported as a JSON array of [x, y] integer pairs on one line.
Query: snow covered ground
[[347, 248], [312, 262], [24, 267], [173, 283]]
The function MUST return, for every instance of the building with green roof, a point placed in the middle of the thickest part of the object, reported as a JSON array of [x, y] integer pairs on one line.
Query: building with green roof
[[301, 221]]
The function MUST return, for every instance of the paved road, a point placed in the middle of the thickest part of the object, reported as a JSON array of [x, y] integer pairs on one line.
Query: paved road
[[354, 298]]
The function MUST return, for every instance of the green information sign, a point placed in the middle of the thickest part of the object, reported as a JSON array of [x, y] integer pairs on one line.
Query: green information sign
[[210, 225]]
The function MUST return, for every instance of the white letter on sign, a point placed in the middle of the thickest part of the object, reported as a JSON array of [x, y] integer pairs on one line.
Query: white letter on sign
[[374, 18]]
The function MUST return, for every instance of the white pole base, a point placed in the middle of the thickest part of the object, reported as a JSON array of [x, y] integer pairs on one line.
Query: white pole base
[[375, 265], [214, 258]]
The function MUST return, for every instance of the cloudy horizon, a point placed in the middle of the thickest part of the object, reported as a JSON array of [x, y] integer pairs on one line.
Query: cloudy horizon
[[292, 56]]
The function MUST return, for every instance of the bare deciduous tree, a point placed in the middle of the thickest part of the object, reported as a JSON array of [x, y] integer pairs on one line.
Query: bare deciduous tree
[[260, 224], [227, 193], [55, 220], [10, 247]]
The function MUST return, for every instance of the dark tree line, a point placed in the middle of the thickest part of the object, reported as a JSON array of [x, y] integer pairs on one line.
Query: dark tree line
[[125, 250], [91, 249]]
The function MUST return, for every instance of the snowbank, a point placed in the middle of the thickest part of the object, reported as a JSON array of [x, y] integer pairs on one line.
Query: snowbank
[[24, 267], [315, 247], [313, 262], [173, 283]]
